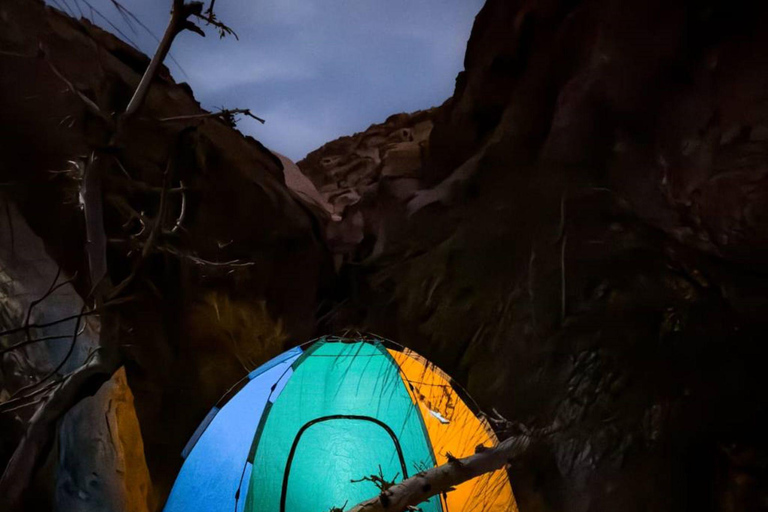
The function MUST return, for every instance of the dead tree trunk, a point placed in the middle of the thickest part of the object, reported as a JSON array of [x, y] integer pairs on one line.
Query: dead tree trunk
[[409, 493]]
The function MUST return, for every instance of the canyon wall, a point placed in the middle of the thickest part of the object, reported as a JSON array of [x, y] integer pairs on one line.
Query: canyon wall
[[584, 245], [231, 280]]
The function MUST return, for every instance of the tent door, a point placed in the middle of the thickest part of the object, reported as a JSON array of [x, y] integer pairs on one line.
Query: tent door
[[331, 451]]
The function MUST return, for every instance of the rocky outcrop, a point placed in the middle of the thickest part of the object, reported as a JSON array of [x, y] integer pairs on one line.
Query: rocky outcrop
[[586, 244], [99, 462], [364, 176]]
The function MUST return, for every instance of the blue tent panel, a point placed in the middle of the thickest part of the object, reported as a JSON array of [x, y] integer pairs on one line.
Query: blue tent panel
[[290, 356], [211, 474]]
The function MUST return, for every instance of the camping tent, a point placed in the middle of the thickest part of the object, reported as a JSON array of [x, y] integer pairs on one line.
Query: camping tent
[[307, 427]]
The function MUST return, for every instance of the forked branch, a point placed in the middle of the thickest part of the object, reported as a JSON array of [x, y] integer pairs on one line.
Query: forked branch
[[442, 479]]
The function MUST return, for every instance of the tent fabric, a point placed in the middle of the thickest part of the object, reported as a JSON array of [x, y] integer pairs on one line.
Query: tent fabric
[[344, 415], [210, 477], [453, 428], [311, 426]]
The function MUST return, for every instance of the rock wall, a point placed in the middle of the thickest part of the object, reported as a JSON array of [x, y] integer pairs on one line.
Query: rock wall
[[364, 178], [234, 275], [585, 246]]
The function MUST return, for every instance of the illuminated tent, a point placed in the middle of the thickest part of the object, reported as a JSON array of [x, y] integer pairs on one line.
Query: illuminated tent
[[309, 425]]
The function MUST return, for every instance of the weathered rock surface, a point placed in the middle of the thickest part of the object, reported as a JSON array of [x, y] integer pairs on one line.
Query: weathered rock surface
[[364, 176], [585, 245], [99, 464]]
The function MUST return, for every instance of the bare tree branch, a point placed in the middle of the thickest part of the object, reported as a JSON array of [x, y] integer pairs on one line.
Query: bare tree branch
[[139, 186], [209, 10], [62, 320], [154, 232], [93, 210], [210, 19], [20, 392], [180, 14], [47, 294], [182, 211], [30, 341], [226, 114], [203, 262], [11, 231], [127, 15], [92, 107], [24, 401], [17, 54], [52, 288], [442, 479]]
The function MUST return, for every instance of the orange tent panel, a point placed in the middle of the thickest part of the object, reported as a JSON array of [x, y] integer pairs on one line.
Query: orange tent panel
[[454, 429]]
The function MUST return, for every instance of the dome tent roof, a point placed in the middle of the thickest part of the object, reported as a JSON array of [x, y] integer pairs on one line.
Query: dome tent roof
[[306, 428]]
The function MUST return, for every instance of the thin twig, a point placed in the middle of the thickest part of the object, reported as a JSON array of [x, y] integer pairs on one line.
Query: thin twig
[[563, 296], [65, 9], [77, 4], [109, 22], [33, 340], [210, 19], [52, 288], [22, 405], [154, 232], [140, 186], [54, 322], [226, 113], [203, 262], [10, 226], [562, 238], [17, 54], [182, 211], [124, 11], [62, 362], [89, 104], [13, 403], [93, 211], [209, 10]]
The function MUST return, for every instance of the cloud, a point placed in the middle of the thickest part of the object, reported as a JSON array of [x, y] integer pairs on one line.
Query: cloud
[[215, 71], [289, 12], [316, 69], [293, 131]]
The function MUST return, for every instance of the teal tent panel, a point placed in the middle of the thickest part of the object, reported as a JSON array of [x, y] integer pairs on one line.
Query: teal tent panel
[[350, 447], [210, 477], [344, 412]]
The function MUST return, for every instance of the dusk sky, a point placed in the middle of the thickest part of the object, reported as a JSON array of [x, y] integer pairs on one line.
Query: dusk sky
[[314, 69]]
